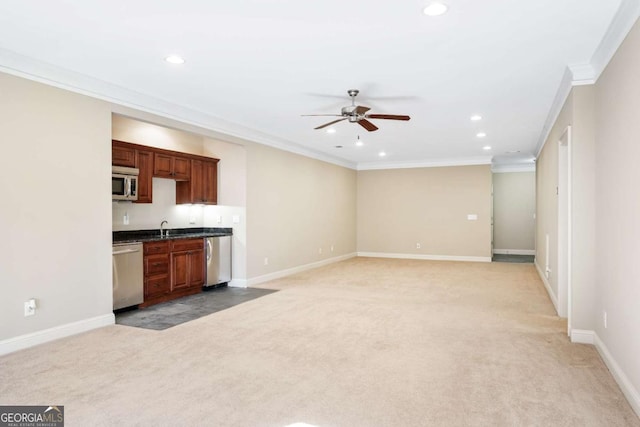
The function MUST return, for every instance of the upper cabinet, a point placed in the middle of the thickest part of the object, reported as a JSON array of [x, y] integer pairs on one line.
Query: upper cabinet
[[202, 188], [171, 166], [196, 176], [122, 155]]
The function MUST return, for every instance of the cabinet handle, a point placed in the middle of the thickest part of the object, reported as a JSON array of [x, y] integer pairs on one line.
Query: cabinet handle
[[156, 264]]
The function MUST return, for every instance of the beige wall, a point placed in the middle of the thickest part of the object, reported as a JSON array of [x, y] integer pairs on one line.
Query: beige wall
[[617, 231], [139, 132], [514, 207], [295, 207], [56, 230], [399, 208], [547, 200]]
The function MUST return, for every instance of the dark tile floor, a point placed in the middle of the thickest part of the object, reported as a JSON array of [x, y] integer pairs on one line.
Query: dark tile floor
[[513, 258], [172, 313]]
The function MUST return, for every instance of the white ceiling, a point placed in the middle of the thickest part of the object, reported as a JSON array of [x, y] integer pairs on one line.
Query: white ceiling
[[259, 64]]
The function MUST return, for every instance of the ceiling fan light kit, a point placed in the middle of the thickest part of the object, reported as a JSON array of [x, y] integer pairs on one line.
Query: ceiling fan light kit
[[357, 114]]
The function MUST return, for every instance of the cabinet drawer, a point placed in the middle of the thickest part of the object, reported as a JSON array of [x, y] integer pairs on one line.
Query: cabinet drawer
[[181, 245], [151, 248], [156, 286], [156, 264]]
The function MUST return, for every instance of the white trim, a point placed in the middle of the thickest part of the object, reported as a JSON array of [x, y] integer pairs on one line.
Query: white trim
[[582, 336], [470, 161], [425, 257], [299, 269], [547, 285], [621, 24], [514, 251], [564, 89], [504, 168], [237, 283], [630, 392], [31, 69], [40, 337], [583, 74]]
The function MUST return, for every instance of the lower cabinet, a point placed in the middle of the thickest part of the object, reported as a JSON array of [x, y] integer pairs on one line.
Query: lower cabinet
[[172, 269], [187, 264]]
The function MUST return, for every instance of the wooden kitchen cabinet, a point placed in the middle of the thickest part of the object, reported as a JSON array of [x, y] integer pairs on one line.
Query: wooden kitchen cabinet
[[169, 166], [172, 269], [144, 162], [202, 187], [157, 281], [123, 155], [187, 264]]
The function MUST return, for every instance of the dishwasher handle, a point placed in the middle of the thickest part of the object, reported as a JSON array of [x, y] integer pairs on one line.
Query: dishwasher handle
[[126, 251], [209, 249]]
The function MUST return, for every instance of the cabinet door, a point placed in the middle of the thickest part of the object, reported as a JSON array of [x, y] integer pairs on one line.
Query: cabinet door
[[179, 270], [196, 268], [181, 168], [144, 162], [163, 165], [210, 182], [197, 187], [123, 156]]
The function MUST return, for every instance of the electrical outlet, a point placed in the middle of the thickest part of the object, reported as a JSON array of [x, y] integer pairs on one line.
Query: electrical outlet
[[604, 319], [219, 219], [125, 218], [30, 307], [331, 248], [418, 245], [320, 251], [266, 261]]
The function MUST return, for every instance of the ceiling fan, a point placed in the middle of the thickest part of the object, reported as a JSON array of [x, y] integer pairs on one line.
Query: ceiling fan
[[357, 114]]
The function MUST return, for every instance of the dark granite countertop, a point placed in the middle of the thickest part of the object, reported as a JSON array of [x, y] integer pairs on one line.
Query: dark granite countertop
[[174, 233]]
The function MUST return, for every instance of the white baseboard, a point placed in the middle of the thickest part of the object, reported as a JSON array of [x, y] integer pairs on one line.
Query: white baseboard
[[582, 336], [425, 257], [630, 392], [547, 285], [237, 283], [40, 337], [298, 269], [514, 251]]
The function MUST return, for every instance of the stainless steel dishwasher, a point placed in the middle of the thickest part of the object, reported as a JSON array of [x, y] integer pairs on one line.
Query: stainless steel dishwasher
[[128, 279], [218, 251]]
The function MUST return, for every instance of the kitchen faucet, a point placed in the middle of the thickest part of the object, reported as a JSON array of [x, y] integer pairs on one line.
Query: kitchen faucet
[[162, 232]]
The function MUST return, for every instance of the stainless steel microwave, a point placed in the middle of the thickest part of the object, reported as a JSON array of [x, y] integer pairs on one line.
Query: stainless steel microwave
[[124, 183]]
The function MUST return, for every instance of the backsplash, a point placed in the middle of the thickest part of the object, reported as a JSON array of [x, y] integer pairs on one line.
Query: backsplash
[[149, 215]]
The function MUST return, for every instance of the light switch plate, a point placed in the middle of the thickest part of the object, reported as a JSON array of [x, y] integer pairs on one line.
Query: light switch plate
[[236, 219], [472, 217]]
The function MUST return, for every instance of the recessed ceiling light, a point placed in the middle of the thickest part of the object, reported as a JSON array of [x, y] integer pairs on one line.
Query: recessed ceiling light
[[359, 142], [481, 134], [476, 118], [435, 9], [331, 130], [174, 59], [382, 154], [486, 148]]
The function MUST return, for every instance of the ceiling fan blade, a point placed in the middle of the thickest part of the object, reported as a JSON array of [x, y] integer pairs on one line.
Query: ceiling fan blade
[[367, 125], [387, 116], [361, 109], [330, 123]]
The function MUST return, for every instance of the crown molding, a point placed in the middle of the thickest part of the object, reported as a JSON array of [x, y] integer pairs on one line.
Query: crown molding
[[506, 168], [556, 106], [470, 161], [621, 24], [588, 73], [31, 69]]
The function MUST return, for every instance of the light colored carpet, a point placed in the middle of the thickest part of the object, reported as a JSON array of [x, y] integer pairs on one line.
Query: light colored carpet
[[365, 342]]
